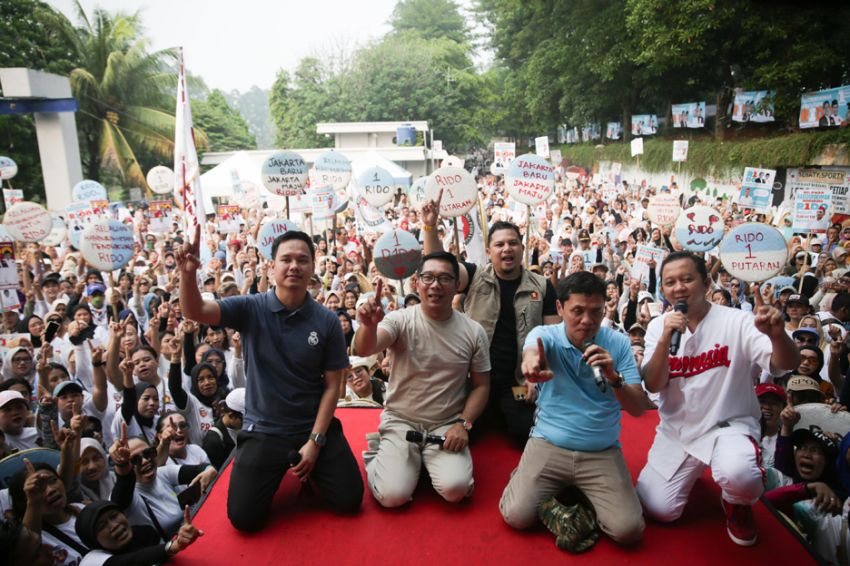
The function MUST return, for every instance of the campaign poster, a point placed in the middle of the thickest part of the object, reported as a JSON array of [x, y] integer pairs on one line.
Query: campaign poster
[[8, 267], [753, 106], [504, 153], [837, 179], [614, 131], [555, 157], [689, 115], [160, 212], [590, 132], [644, 124], [757, 189], [541, 146], [812, 210], [572, 135], [644, 255], [825, 108], [228, 218], [680, 151], [12, 197], [99, 208]]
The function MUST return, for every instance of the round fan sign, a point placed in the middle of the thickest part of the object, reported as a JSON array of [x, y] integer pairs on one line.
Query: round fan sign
[[530, 179], [161, 180], [377, 186], [87, 190], [459, 190], [331, 169], [270, 231], [284, 173], [108, 244], [8, 168], [416, 193], [397, 254], [753, 252], [28, 222], [664, 209], [57, 231], [699, 228]]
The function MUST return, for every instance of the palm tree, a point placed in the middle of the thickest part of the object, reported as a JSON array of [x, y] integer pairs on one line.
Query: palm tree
[[126, 95]]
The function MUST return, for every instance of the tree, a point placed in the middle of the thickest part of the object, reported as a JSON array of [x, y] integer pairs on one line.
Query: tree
[[298, 104], [253, 105], [430, 19], [225, 128]]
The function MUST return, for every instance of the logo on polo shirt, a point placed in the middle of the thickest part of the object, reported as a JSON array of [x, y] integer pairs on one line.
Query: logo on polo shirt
[[313, 339]]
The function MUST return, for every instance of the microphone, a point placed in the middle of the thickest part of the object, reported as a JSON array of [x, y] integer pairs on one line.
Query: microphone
[[294, 457], [597, 373], [419, 438], [676, 338]]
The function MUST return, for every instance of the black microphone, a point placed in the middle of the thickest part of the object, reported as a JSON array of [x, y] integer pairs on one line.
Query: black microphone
[[676, 338], [294, 458], [419, 438], [597, 373]]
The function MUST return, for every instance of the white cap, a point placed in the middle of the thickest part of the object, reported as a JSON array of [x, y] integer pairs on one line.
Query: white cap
[[643, 295], [9, 395], [357, 361], [235, 400]]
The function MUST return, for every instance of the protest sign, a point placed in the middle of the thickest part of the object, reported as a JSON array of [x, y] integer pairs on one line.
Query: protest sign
[[811, 210], [161, 180], [588, 257], [108, 244], [836, 178], [8, 168], [699, 228], [555, 157], [689, 115], [822, 415], [12, 197], [756, 189], [369, 218], [9, 301], [331, 168], [322, 202], [753, 252], [644, 124], [99, 208], [87, 190], [160, 216], [416, 193], [825, 108], [753, 106], [664, 209], [503, 154], [541, 146], [284, 173], [377, 186], [397, 254], [680, 150], [590, 132], [57, 231], [28, 222], [452, 161], [270, 231], [460, 193], [643, 256], [530, 179], [637, 147], [613, 131], [228, 218], [8, 268], [79, 215]]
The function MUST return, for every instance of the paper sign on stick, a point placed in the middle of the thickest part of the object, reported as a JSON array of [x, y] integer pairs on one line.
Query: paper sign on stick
[[108, 244], [28, 222], [753, 252], [460, 192]]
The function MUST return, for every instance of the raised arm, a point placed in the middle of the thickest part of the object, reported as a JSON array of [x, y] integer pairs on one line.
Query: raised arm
[[368, 339], [431, 239], [191, 303]]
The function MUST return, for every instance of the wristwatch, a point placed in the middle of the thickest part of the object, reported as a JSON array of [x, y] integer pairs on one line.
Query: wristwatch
[[319, 439], [466, 423], [621, 381]]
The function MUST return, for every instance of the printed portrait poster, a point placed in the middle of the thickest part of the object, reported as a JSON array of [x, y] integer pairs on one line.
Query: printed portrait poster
[[689, 115], [8, 267], [753, 106], [812, 210], [590, 132], [614, 131], [825, 108], [837, 179], [228, 218], [644, 255], [644, 124], [504, 153], [160, 212], [756, 189]]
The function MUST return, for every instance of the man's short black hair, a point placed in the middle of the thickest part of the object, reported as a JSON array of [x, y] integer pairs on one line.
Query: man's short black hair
[[841, 301], [440, 256], [294, 235], [699, 262], [581, 283], [566, 242], [502, 225]]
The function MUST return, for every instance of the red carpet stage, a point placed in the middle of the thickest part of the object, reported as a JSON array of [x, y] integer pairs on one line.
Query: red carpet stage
[[434, 533]]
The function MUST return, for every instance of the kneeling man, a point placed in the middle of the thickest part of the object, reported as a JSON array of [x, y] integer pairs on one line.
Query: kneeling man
[[435, 353], [574, 440]]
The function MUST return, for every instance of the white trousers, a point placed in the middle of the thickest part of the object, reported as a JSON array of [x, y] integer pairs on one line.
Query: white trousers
[[735, 466]]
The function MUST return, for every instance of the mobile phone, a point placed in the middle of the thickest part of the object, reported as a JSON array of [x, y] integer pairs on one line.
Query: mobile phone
[[190, 495], [50, 331]]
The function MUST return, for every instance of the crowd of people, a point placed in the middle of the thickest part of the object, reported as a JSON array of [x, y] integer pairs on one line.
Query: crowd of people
[[148, 380]]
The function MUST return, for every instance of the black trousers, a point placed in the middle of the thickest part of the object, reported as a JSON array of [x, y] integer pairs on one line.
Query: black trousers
[[507, 415], [261, 462]]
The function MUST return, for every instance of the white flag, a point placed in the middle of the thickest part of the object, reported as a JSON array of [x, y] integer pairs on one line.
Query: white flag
[[187, 179], [473, 237]]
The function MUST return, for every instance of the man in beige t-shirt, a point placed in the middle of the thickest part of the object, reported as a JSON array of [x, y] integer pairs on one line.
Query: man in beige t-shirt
[[435, 352]]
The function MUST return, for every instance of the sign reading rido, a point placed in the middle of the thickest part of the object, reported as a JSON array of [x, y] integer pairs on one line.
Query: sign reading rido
[[28, 222], [699, 228], [530, 179], [284, 173], [416, 193], [664, 209], [108, 244], [88, 190], [8, 168], [459, 190], [753, 252], [161, 180], [377, 186], [331, 169], [397, 254]]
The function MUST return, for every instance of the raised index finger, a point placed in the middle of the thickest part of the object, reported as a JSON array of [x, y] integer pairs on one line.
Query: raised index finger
[[759, 300], [541, 352], [187, 520], [123, 434], [439, 198], [378, 288], [29, 467]]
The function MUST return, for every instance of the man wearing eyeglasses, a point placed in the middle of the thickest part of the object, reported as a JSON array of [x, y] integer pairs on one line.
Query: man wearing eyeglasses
[[584, 374], [438, 386]]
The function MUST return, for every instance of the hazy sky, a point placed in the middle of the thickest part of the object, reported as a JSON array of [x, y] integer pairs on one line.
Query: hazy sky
[[237, 44]]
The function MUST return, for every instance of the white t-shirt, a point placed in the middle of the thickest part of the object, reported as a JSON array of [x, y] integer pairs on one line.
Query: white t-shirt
[[194, 455], [199, 417], [24, 441], [710, 391], [63, 554], [161, 496]]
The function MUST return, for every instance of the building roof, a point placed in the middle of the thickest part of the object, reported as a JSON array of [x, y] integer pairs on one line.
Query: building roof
[[367, 127]]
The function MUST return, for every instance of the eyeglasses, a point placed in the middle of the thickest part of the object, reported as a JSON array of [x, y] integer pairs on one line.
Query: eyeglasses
[[429, 278], [146, 454], [811, 449], [182, 425]]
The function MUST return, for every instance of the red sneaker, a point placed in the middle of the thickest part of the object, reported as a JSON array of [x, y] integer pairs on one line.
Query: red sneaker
[[740, 523]]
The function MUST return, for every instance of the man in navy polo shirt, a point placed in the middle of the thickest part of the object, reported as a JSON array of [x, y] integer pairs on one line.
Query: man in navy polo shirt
[[295, 360]]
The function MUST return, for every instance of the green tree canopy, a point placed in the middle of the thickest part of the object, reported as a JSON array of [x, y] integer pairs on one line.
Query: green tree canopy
[[430, 19], [225, 128]]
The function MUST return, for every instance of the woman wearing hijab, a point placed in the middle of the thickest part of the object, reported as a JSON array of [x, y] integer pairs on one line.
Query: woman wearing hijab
[[199, 404], [18, 362], [96, 480], [139, 409]]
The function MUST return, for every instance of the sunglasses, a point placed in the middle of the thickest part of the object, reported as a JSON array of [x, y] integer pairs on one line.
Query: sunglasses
[[146, 454], [182, 425]]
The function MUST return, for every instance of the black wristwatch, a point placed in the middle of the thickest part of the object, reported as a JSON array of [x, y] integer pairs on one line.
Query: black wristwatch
[[621, 381], [319, 439]]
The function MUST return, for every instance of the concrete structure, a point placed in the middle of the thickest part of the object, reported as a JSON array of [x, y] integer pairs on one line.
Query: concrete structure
[[58, 145], [356, 140]]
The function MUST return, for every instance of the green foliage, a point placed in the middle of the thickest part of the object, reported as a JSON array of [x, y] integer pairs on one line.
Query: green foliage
[[225, 128], [430, 19], [253, 105]]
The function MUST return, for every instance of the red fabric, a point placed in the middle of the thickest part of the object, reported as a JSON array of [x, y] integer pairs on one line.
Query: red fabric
[[434, 533]]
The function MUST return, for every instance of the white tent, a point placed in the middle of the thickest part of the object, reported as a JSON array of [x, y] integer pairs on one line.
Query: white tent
[[372, 159], [218, 181]]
